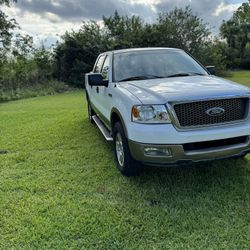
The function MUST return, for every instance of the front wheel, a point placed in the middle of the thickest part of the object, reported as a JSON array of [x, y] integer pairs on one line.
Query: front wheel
[[124, 161]]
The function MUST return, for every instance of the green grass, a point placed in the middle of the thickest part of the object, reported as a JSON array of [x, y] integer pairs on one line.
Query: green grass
[[47, 88], [59, 189], [242, 76]]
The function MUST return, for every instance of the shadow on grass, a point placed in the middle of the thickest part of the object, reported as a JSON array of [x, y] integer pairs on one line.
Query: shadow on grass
[[211, 181], [212, 170], [219, 184]]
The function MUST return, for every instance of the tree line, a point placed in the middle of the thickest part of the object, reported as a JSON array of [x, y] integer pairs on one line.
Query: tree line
[[22, 65], [25, 70], [179, 28]]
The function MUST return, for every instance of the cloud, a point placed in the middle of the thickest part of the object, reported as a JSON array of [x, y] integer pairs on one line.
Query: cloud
[[225, 8], [85, 9], [50, 18], [46, 27], [211, 11]]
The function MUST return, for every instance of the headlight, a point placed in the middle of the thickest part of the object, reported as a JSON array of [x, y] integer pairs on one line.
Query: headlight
[[150, 114]]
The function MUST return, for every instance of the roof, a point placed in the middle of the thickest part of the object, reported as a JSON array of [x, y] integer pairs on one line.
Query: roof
[[142, 49]]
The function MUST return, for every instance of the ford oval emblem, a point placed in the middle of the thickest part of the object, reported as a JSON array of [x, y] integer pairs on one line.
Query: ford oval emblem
[[216, 111]]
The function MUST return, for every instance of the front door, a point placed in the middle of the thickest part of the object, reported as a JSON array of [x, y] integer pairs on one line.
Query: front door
[[105, 95], [94, 91]]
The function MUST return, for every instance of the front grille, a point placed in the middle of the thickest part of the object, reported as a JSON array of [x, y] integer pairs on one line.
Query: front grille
[[195, 113]]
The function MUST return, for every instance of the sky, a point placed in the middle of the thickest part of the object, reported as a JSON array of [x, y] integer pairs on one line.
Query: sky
[[47, 20]]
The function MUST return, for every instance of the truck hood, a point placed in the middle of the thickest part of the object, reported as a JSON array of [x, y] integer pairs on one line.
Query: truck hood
[[164, 90]]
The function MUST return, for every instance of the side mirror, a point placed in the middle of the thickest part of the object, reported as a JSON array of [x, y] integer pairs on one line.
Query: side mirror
[[211, 70], [95, 79]]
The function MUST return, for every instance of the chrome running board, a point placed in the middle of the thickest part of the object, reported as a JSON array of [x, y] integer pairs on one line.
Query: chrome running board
[[102, 128]]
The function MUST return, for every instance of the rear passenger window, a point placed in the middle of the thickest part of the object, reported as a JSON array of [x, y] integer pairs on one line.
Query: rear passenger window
[[99, 64]]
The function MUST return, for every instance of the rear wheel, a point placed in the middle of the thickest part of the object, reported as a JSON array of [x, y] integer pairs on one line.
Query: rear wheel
[[124, 161]]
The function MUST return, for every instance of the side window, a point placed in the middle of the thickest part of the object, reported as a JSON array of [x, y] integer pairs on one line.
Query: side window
[[105, 69], [98, 66]]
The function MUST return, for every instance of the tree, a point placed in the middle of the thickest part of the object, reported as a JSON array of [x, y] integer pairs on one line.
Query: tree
[[76, 55], [181, 28], [6, 26], [125, 31], [236, 31]]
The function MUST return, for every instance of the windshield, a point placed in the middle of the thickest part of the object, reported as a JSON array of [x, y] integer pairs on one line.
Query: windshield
[[139, 65]]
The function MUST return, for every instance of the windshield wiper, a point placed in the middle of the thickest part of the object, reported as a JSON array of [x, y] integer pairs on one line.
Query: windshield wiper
[[186, 74], [143, 77]]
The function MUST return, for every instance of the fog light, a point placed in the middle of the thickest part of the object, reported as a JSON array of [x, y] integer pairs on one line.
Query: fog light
[[154, 151]]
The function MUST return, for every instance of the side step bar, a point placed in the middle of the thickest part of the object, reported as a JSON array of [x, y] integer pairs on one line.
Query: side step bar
[[103, 129]]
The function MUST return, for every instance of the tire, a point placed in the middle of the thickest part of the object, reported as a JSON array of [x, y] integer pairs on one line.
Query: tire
[[91, 112], [124, 161]]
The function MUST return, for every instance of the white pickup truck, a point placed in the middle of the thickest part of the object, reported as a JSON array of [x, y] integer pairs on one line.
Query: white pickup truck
[[160, 106]]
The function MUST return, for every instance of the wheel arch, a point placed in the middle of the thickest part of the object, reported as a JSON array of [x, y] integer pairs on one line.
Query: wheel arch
[[117, 117]]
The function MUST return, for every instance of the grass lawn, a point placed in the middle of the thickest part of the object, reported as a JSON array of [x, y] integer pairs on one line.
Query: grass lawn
[[59, 189], [240, 77]]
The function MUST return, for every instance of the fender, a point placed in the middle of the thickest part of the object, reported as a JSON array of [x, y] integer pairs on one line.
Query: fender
[[117, 112]]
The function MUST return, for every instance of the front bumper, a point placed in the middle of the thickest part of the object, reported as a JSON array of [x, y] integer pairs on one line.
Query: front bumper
[[179, 155]]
